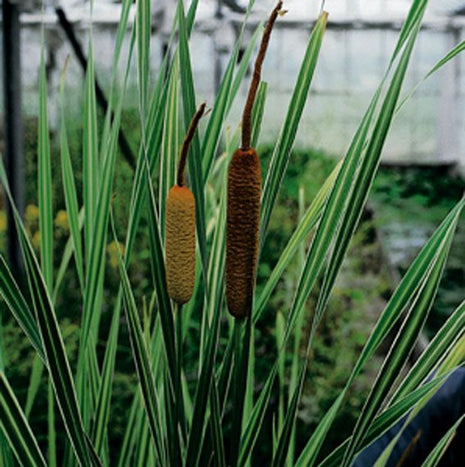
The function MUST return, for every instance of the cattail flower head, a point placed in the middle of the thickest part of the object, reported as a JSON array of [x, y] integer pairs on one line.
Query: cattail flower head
[[243, 211], [180, 228]]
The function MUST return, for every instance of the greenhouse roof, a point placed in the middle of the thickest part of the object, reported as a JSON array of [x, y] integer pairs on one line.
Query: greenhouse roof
[[341, 11]]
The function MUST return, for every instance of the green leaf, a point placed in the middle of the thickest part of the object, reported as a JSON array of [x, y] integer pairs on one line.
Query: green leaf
[[283, 147], [95, 267], [210, 332], [170, 144], [401, 347], [250, 435], [208, 355], [159, 277], [338, 207], [227, 92], [306, 224], [16, 303], [69, 189], [364, 180], [103, 397], [329, 221], [218, 446], [310, 452], [258, 111], [289, 421], [16, 427], [331, 216], [202, 394], [195, 160], [455, 357], [447, 335], [240, 365], [126, 6], [355, 198], [54, 349], [383, 422], [6, 456], [175, 410], [143, 34], [34, 383], [414, 18], [90, 156], [440, 449], [142, 359], [95, 270], [245, 64], [419, 273], [279, 332], [51, 434], [127, 445], [213, 130], [216, 267], [66, 258], [459, 48], [44, 175]]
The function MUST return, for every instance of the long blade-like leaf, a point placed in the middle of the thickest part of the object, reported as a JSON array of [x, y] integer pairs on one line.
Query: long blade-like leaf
[[170, 144], [54, 349], [195, 160], [330, 218], [16, 427], [383, 422], [45, 182], [142, 363], [227, 92], [302, 231], [440, 449], [69, 189], [282, 152], [443, 339], [16, 303], [400, 350], [143, 25], [418, 273]]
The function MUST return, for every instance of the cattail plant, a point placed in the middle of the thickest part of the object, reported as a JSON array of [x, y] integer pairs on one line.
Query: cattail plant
[[243, 210], [201, 407], [180, 228]]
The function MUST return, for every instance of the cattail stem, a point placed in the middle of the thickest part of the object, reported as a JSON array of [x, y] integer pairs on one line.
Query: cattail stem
[[178, 318], [240, 381], [187, 141], [247, 114], [178, 383]]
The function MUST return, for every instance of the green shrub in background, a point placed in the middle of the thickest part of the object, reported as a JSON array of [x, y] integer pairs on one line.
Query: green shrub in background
[[416, 199], [187, 401]]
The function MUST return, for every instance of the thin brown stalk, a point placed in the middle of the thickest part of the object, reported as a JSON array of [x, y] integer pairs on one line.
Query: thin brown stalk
[[406, 454], [187, 141], [247, 115]]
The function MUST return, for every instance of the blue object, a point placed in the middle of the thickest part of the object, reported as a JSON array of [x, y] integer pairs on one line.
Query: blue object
[[428, 427]]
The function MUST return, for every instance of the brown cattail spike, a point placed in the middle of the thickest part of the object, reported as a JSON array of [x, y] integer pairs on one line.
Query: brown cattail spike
[[180, 228], [243, 211], [243, 221], [187, 141], [247, 114]]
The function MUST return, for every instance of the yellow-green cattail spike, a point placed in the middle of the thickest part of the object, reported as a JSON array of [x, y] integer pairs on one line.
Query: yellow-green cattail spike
[[180, 228]]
